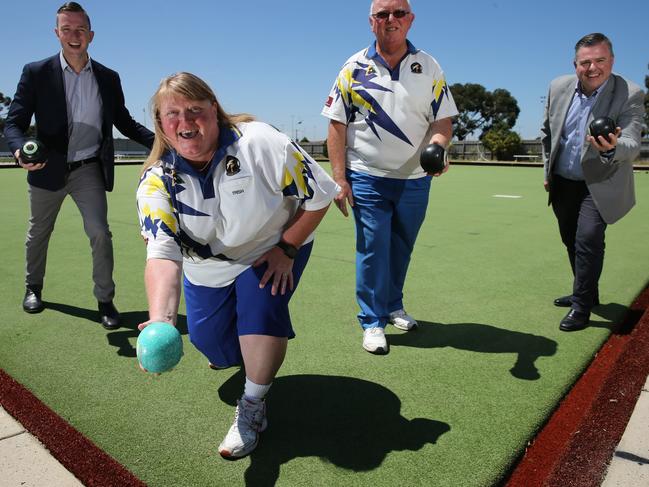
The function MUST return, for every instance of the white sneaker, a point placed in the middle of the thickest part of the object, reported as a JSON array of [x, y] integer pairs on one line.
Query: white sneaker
[[402, 320], [243, 436], [374, 340]]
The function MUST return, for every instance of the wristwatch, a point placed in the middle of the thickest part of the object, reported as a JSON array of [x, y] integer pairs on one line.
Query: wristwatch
[[290, 251]]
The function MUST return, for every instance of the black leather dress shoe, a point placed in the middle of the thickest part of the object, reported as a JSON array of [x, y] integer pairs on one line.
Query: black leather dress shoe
[[563, 301], [574, 320], [566, 302], [32, 302], [109, 315]]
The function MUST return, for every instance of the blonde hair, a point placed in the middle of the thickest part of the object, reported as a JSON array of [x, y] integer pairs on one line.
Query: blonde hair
[[193, 88]]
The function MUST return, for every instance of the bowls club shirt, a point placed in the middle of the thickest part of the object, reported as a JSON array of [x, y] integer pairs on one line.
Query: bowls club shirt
[[220, 222], [388, 112]]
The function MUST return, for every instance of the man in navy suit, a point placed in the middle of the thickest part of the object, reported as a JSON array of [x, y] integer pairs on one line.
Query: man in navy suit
[[76, 102]]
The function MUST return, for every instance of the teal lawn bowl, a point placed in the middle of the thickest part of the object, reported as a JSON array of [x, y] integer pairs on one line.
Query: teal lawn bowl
[[159, 347]]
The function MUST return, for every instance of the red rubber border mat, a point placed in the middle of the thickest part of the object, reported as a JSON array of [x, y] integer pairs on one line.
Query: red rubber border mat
[[575, 446], [91, 465]]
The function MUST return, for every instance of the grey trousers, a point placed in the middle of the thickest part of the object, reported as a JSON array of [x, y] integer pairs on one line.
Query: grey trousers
[[86, 187]]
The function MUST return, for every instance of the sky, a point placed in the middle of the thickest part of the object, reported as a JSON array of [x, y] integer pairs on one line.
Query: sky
[[278, 59]]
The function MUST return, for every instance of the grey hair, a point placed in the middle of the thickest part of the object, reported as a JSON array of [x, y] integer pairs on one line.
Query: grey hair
[[372, 5], [593, 39]]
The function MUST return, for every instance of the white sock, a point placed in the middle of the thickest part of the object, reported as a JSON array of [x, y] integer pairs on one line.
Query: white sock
[[255, 392]]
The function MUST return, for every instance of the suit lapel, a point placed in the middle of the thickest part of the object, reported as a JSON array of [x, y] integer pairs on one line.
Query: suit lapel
[[602, 105], [563, 100], [600, 109], [104, 90], [563, 104], [58, 100], [104, 93], [99, 76]]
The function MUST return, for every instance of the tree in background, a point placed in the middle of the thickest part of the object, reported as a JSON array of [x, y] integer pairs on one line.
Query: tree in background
[[5, 101], [502, 142], [481, 110]]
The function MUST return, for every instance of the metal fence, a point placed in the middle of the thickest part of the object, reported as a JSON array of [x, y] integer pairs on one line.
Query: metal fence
[[470, 150], [473, 150], [530, 151], [122, 147]]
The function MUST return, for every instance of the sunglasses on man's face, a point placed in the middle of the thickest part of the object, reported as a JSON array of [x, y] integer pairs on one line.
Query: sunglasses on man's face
[[385, 14]]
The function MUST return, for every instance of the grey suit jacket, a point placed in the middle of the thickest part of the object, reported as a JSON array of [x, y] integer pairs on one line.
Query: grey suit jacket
[[610, 182]]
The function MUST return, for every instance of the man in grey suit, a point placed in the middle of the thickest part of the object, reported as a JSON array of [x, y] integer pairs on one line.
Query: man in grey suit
[[589, 180]]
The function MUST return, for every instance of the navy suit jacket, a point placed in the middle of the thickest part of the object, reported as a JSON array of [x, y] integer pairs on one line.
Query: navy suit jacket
[[41, 92]]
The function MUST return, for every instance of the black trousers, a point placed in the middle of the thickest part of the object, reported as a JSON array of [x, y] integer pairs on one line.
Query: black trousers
[[582, 232]]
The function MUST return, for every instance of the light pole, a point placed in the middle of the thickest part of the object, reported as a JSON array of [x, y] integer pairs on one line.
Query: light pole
[[298, 123], [294, 125]]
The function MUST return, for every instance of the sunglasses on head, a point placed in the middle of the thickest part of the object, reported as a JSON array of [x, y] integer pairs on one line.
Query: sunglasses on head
[[384, 14]]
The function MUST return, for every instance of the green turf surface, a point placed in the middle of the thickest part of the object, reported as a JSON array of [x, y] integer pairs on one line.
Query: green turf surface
[[453, 404]]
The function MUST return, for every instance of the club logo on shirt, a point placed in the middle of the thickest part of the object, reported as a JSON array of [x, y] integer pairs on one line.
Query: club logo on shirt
[[232, 166], [415, 68], [173, 175]]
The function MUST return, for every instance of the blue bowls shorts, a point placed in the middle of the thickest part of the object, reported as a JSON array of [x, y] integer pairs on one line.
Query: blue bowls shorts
[[216, 317]]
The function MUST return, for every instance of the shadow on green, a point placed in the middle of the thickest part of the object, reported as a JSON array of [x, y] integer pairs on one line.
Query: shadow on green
[[352, 423], [120, 337], [481, 338]]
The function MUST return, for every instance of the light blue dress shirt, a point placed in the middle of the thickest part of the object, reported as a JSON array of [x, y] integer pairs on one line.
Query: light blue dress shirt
[[84, 111], [573, 135]]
